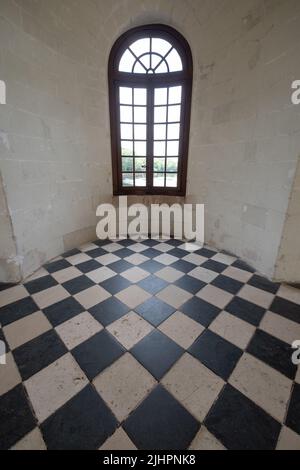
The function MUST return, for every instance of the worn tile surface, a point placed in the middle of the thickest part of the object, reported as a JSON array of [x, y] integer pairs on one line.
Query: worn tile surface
[[149, 345]]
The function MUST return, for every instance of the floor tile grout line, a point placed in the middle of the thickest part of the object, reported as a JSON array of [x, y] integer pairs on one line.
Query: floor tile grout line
[[185, 350]]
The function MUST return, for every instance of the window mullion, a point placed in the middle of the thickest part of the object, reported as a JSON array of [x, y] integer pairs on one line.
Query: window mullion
[[150, 119]]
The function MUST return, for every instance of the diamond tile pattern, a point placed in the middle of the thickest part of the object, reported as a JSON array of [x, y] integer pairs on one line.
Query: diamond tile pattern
[[147, 345]]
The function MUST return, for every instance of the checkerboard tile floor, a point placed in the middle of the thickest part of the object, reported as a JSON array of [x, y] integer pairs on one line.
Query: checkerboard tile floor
[[149, 345]]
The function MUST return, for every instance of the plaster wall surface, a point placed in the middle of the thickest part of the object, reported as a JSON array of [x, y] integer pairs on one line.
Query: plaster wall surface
[[55, 139]]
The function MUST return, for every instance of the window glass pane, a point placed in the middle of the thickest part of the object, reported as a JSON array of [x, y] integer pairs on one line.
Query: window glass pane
[[161, 46], [140, 179], [155, 60], [162, 68], [173, 131], [160, 96], [140, 46], [158, 179], [127, 179], [174, 61], [140, 114], [171, 180], [140, 96], [145, 60], [172, 164], [126, 62], [125, 95], [173, 148], [126, 148], [175, 94], [159, 131], [174, 113], [159, 149], [140, 164], [138, 68], [140, 149], [127, 164], [126, 131], [125, 113], [140, 131], [160, 114], [159, 164], [149, 117]]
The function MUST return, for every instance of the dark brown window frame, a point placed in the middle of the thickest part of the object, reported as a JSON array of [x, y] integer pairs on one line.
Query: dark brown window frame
[[150, 81]]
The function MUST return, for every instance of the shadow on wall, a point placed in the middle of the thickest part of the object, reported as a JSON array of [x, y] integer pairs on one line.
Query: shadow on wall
[[288, 261], [9, 264]]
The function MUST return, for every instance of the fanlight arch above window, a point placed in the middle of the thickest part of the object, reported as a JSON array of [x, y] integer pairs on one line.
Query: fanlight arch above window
[[150, 55]]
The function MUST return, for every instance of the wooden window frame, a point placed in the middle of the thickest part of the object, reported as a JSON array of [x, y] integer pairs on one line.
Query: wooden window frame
[[150, 81]]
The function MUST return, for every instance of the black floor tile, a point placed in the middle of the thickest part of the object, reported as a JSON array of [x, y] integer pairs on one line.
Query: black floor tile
[[96, 252], [161, 423], [57, 265], [178, 252], [115, 284], [183, 266], [63, 310], [97, 353], [214, 266], [38, 353], [88, 266], [173, 242], [240, 424], [42, 283], [6, 285], [2, 338], [109, 311], [286, 309], [150, 242], [16, 417], [78, 284], [102, 242], [216, 353], [190, 284], [205, 252], [151, 253], [293, 416], [72, 252], [242, 265], [273, 352], [120, 266], [200, 311], [155, 311], [157, 353], [83, 423], [153, 284], [264, 284], [124, 252], [17, 310], [226, 283], [151, 266], [245, 310], [126, 242]]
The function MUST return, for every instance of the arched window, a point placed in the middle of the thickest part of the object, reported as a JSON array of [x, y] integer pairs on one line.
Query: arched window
[[150, 82]]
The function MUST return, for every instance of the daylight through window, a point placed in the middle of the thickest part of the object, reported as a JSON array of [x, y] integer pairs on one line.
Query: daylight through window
[[150, 78]]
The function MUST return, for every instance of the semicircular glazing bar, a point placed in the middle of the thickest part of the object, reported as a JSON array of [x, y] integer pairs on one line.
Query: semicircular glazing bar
[[163, 59]]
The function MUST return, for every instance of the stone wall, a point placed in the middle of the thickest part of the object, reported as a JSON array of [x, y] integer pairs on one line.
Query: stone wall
[[245, 131]]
